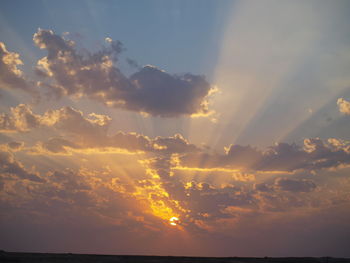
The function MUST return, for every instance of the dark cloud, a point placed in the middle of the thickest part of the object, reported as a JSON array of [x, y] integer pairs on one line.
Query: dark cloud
[[15, 146], [10, 167], [315, 154], [58, 145], [69, 181], [95, 75], [263, 187], [294, 185], [207, 202], [175, 144], [159, 93]]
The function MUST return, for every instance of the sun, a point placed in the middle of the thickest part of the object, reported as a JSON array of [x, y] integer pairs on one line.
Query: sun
[[173, 221]]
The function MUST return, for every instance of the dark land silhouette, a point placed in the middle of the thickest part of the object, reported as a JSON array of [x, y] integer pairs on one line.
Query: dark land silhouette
[[6, 257]]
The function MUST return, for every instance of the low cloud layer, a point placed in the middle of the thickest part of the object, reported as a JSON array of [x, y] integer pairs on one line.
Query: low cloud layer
[[78, 132], [141, 197], [66, 72]]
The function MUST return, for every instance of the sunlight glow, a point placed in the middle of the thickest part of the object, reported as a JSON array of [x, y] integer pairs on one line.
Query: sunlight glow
[[174, 221]]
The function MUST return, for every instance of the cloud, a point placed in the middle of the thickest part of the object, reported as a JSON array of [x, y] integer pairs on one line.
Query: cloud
[[315, 154], [69, 192], [79, 132], [12, 146], [201, 205], [208, 203], [73, 121], [174, 144], [96, 76], [88, 135], [20, 119], [53, 146], [10, 75], [120, 142], [343, 106], [263, 187], [194, 200], [15, 146], [293, 185], [10, 167]]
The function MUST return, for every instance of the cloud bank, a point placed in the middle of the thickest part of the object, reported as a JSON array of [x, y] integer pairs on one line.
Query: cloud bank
[[78, 132], [169, 177], [315, 154]]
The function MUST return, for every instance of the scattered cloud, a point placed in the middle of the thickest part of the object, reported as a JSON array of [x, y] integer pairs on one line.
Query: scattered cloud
[[20, 119], [11, 76], [344, 106]]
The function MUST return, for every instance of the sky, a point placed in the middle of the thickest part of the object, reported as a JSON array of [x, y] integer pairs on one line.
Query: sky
[[196, 128]]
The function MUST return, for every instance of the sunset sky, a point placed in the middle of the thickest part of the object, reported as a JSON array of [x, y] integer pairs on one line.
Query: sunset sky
[[199, 128]]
